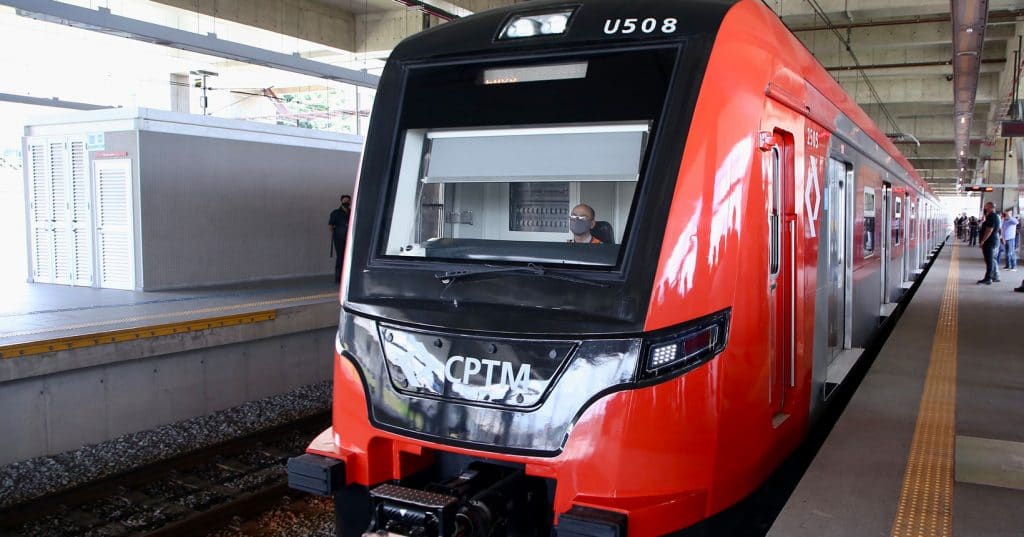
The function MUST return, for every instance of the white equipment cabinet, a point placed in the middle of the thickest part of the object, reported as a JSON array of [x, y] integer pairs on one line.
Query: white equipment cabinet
[[143, 199], [59, 210]]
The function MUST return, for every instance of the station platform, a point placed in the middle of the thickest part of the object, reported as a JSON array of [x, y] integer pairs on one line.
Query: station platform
[[83, 365], [37, 312], [932, 442]]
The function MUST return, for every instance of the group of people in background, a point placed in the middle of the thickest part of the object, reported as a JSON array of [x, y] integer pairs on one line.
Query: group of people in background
[[967, 229], [998, 234]]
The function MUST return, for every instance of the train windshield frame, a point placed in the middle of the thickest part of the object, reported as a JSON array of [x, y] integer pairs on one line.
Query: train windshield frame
[[507, 194], [493, 155]]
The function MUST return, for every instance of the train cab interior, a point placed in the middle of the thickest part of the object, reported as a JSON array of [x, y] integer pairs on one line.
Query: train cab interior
[[505, 194]]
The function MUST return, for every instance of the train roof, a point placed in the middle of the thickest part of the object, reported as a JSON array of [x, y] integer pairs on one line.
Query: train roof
[[822, 82], [480, 31], [587, 26]]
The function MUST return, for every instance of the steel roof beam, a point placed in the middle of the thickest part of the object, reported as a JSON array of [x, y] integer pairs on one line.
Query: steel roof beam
[[101, 20], [52, 102]]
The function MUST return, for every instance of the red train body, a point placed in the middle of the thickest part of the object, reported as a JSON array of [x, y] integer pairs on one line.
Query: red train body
[[774, 231]]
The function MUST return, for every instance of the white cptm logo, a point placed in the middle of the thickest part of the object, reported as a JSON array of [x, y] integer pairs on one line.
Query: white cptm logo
[[475, 368]]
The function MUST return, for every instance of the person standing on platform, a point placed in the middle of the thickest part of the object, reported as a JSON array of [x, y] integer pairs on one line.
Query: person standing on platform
[[999, 248], [972, 231], [338, 223], [990, 243], [1009, 238]]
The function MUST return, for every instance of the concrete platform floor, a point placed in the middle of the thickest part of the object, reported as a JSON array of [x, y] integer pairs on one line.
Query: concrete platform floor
[[934, 455], [33, 312]]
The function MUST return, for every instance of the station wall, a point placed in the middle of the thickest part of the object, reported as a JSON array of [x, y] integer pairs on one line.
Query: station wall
[[70, 398]]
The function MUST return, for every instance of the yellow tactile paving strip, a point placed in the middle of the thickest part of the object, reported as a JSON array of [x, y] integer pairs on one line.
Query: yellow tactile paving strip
[[115, 336], [166, 315], [147, 330], [926, 497]]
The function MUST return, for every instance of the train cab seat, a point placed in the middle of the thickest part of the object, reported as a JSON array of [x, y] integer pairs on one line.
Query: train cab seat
[[603, 232]]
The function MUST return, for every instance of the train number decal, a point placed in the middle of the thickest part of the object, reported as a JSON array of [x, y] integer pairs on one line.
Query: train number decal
[[812, 138], [649, 25]]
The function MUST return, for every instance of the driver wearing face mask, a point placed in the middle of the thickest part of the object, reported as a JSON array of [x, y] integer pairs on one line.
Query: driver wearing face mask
[[581, 221]]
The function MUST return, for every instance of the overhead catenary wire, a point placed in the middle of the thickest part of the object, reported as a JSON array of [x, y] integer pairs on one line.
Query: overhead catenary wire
[[860, 70], [845, 42]]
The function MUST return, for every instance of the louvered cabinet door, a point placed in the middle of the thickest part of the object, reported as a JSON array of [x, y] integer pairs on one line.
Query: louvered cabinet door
[[40, 212], [114, 245], [80, 213], [57, 154]]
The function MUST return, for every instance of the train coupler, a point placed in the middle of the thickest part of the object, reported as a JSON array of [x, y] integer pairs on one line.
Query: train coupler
[[484, 500]]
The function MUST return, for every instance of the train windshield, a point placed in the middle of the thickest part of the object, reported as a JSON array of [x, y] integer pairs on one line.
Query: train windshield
[[525, 163], [545, 194]]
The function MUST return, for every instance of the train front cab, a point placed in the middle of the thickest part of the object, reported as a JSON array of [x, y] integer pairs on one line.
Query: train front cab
[[488, 374]]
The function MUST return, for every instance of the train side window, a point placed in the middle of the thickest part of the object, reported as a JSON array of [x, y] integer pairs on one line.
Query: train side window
[[896, 224], [869, 221], [774, 228]]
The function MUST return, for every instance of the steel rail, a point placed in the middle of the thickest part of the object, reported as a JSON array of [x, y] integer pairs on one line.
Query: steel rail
[[227, 501]]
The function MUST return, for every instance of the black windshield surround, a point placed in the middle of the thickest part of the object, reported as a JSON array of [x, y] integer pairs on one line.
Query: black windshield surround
[[445, 93]]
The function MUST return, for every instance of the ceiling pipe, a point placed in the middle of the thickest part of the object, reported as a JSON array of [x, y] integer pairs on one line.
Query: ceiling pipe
[[907, 65], [995, 16], [937, 141], [970, 18]]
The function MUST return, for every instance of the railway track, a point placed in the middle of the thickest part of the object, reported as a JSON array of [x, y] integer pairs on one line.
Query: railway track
[[192, 494]]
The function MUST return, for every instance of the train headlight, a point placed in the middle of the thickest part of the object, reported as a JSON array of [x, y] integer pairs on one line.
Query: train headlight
[[686, 346], [522, 26]]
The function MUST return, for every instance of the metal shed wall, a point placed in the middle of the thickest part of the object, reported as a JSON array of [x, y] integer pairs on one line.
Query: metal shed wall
[[218, 210]]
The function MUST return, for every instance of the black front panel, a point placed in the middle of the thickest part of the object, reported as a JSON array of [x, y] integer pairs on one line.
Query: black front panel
[[593, 21], [433, 81], [450, 96], [591, 369], [622, 85]]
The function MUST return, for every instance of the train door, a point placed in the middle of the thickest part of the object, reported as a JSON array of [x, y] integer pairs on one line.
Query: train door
[[886, 236], [897, 240], [782, 274], [907, 271], [925, 237], [925, 247], [929, 226], [922, 233], [838, 259], [915, 238]]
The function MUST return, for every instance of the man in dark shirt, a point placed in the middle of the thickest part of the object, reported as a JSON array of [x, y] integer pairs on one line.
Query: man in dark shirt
[[990, 243], [339, 232]]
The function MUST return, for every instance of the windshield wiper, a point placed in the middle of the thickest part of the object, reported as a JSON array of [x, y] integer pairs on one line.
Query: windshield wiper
[[450, 276]]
